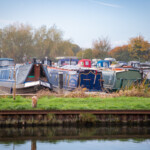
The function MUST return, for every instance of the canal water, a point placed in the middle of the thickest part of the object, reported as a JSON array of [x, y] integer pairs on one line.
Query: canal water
[[75, 138]]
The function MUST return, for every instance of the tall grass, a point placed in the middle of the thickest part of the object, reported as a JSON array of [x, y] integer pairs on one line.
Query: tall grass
[[137, 90]]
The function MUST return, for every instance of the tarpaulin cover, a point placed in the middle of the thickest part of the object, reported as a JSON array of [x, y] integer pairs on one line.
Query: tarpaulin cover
[[22, 73]]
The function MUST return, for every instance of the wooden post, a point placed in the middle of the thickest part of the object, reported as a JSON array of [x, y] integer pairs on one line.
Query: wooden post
[[60, 82], [34, 101], [14, 85]]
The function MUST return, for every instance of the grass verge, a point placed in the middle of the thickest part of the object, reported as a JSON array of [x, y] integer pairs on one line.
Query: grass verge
[[88, 103]]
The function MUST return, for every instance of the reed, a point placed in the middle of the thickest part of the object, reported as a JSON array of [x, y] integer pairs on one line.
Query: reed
[[77, 93], [136, 90]]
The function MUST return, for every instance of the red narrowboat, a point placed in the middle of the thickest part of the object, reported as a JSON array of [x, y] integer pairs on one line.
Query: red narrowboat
[[85, 63]]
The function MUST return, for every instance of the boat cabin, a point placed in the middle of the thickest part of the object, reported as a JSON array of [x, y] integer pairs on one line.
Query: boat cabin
[[67, 61], [86, 78], [6, 62], [94, 62], [134, 64], [47, 61], [103, 64], [111, 60], [85, 63]]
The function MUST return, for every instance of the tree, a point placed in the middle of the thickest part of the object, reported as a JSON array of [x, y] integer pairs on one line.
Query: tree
[[75, 49], [87, 53], [139, 48], [101, 47], [47, 41], [120, 53], [16, 41], [65, 49], [80, 54]]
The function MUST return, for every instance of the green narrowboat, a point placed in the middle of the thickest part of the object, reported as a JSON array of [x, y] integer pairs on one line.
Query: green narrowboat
[[120, 79]]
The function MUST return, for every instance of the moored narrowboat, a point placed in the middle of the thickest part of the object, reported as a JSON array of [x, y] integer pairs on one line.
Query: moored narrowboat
[[103, 64], [25, 78], [120, 79], [84, 63], [74, 77], [62, 61]]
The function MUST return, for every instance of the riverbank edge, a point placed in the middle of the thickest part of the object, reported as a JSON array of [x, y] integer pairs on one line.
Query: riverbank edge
[[73, 117]]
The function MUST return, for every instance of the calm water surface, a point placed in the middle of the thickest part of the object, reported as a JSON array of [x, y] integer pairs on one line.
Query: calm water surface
[[75, 138]]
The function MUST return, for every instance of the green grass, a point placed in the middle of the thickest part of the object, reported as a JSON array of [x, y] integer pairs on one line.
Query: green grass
[[57, 103]]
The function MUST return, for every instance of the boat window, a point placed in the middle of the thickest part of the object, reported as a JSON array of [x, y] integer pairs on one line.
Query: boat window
[[82, 63], [47, 62], [105, 64], [10, 73], [67, 62], [86, 63], [56, 77], [73, 62], [136, 65], [50, 75], [3, 74], [6, 63], [99, 65]]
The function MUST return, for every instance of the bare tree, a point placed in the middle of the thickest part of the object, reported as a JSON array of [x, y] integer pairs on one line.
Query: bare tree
[[101, 47]]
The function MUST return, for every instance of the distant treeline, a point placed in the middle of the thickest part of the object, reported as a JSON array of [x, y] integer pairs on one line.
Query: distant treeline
[[23, 42], [137, 49]]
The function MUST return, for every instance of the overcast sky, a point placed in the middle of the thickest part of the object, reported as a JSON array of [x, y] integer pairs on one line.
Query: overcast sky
[[82, 21]]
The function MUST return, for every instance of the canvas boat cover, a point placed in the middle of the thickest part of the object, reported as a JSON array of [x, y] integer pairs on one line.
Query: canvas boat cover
[[22, 73]]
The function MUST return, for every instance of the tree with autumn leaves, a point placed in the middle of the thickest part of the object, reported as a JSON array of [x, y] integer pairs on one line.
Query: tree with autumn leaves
[[137, 49], [120, 53]]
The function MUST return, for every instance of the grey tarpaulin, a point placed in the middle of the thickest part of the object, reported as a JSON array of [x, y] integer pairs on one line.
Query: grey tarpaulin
[[22, 73]]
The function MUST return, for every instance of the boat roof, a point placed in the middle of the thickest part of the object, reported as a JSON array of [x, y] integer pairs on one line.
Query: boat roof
[[73, 68], [134, 62], [119, 70], [69, 57], [85, 60], [110, 59], [76, 67], [102, 61], [6, 59]]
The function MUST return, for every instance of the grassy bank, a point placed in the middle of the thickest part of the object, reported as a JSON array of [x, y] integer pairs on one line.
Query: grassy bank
[[57, 103]]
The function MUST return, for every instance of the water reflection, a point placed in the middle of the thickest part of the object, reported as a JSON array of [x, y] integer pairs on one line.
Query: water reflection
[[35, 138], [33, 145]]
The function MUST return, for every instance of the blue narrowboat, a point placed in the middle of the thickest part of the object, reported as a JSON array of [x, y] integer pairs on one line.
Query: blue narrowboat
[[67, 61], [25, 78], [74, 77], [103, 64]]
